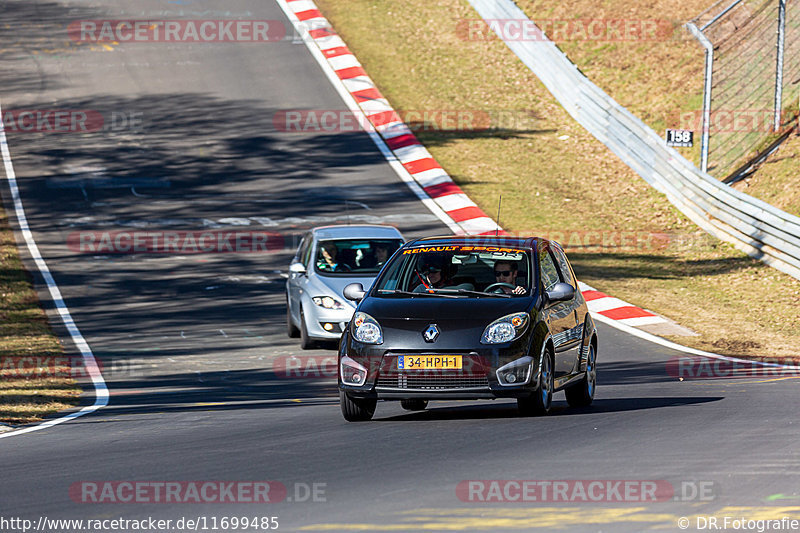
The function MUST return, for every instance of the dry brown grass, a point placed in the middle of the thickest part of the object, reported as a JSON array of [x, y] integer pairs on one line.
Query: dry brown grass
[[35, 378], [776, 181]]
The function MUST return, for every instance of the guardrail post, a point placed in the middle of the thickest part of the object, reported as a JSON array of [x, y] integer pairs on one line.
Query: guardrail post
[[705, 43], [779, 63]]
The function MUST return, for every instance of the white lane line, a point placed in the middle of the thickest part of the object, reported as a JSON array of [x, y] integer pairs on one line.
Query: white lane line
[[89, 362], [353, 106]]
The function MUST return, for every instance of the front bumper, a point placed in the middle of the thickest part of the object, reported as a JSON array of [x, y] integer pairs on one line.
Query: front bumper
[[476, 380], [316, 317]]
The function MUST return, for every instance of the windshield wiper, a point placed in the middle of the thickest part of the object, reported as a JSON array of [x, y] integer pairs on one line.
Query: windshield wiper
[[409, 293]]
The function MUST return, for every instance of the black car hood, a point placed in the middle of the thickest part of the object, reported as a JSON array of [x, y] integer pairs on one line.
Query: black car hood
[[460, 321]]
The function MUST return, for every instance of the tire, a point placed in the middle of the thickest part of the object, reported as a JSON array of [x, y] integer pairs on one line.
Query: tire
[[357, 409], [414, 404], [540, 402], [305, 341], [291, 329], [582, 393]]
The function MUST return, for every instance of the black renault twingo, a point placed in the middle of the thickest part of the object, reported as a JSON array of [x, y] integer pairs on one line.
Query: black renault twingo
[[469, 318]]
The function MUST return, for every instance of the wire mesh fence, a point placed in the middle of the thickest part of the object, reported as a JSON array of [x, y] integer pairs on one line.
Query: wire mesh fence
[[752, 58]]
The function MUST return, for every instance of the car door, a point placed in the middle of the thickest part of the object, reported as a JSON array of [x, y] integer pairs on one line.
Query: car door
[[560, 316], [295, 281], [576, 304]]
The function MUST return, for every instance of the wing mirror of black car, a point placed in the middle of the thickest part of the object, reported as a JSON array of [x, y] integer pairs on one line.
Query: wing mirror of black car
[[297, 268], [561, 292], [354, 292]]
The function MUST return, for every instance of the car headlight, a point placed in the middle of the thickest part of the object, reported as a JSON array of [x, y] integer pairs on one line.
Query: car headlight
[[505, 329], [366, 329], [327, 302], [351, 372], [516, 372]]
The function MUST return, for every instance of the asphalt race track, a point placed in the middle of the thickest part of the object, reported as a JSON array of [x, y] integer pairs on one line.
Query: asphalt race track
[[192, 345]]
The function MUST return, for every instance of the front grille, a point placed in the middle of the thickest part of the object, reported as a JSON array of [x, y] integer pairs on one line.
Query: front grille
[[431, 381]]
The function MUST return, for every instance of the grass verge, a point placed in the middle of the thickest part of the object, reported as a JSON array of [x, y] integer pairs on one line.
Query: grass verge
[[775, 181], [35, 377], [557, 180]]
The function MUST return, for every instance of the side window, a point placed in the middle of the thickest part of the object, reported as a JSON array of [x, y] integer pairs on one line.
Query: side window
[[563, 265], [301, 250], [306, 257], [549, 271]]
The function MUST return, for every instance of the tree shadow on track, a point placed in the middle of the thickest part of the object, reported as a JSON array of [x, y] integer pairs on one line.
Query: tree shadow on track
[[217, 391]]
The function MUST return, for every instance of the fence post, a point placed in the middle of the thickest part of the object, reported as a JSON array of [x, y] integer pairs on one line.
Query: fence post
[[705, 43], [779, 63]]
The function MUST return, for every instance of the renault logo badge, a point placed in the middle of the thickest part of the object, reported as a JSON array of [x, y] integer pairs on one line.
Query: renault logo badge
[[431, 333]]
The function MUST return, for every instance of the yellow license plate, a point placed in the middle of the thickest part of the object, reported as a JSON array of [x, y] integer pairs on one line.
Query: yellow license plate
[[429, 362]]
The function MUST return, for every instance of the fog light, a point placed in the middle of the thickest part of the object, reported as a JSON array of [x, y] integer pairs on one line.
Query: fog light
[[327, 326], [516, 372], [352, 373]]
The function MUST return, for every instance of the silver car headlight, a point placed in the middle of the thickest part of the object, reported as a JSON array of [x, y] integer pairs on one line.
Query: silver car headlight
[[366, 329], [506, 329], [327, 302]]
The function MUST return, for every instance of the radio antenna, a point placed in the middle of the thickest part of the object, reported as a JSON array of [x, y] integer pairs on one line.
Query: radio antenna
[[499, 203]]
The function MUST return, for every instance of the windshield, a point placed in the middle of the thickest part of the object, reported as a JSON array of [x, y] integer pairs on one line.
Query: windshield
[[466, 271], [354, 257]]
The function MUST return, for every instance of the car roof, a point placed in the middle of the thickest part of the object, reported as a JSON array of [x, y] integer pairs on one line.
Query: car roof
[[360, 231], [502, 241]]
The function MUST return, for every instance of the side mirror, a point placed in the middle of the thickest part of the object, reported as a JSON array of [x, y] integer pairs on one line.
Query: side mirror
[[354, 292], [561, 292], [297, 268]]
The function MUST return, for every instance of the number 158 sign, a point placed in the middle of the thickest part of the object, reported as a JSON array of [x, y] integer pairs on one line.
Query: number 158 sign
[[684, 138]]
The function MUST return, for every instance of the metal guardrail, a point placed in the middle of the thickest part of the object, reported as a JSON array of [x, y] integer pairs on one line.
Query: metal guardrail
[[751, 225]]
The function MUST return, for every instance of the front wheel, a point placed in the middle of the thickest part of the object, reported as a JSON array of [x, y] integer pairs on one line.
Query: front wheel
[[357, 409], [582, 393], [539, 403], [306, 343], [414, 404], [291, 329]]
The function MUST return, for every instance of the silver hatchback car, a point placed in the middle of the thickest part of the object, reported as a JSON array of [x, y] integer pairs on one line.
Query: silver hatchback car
[[328, 259]]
